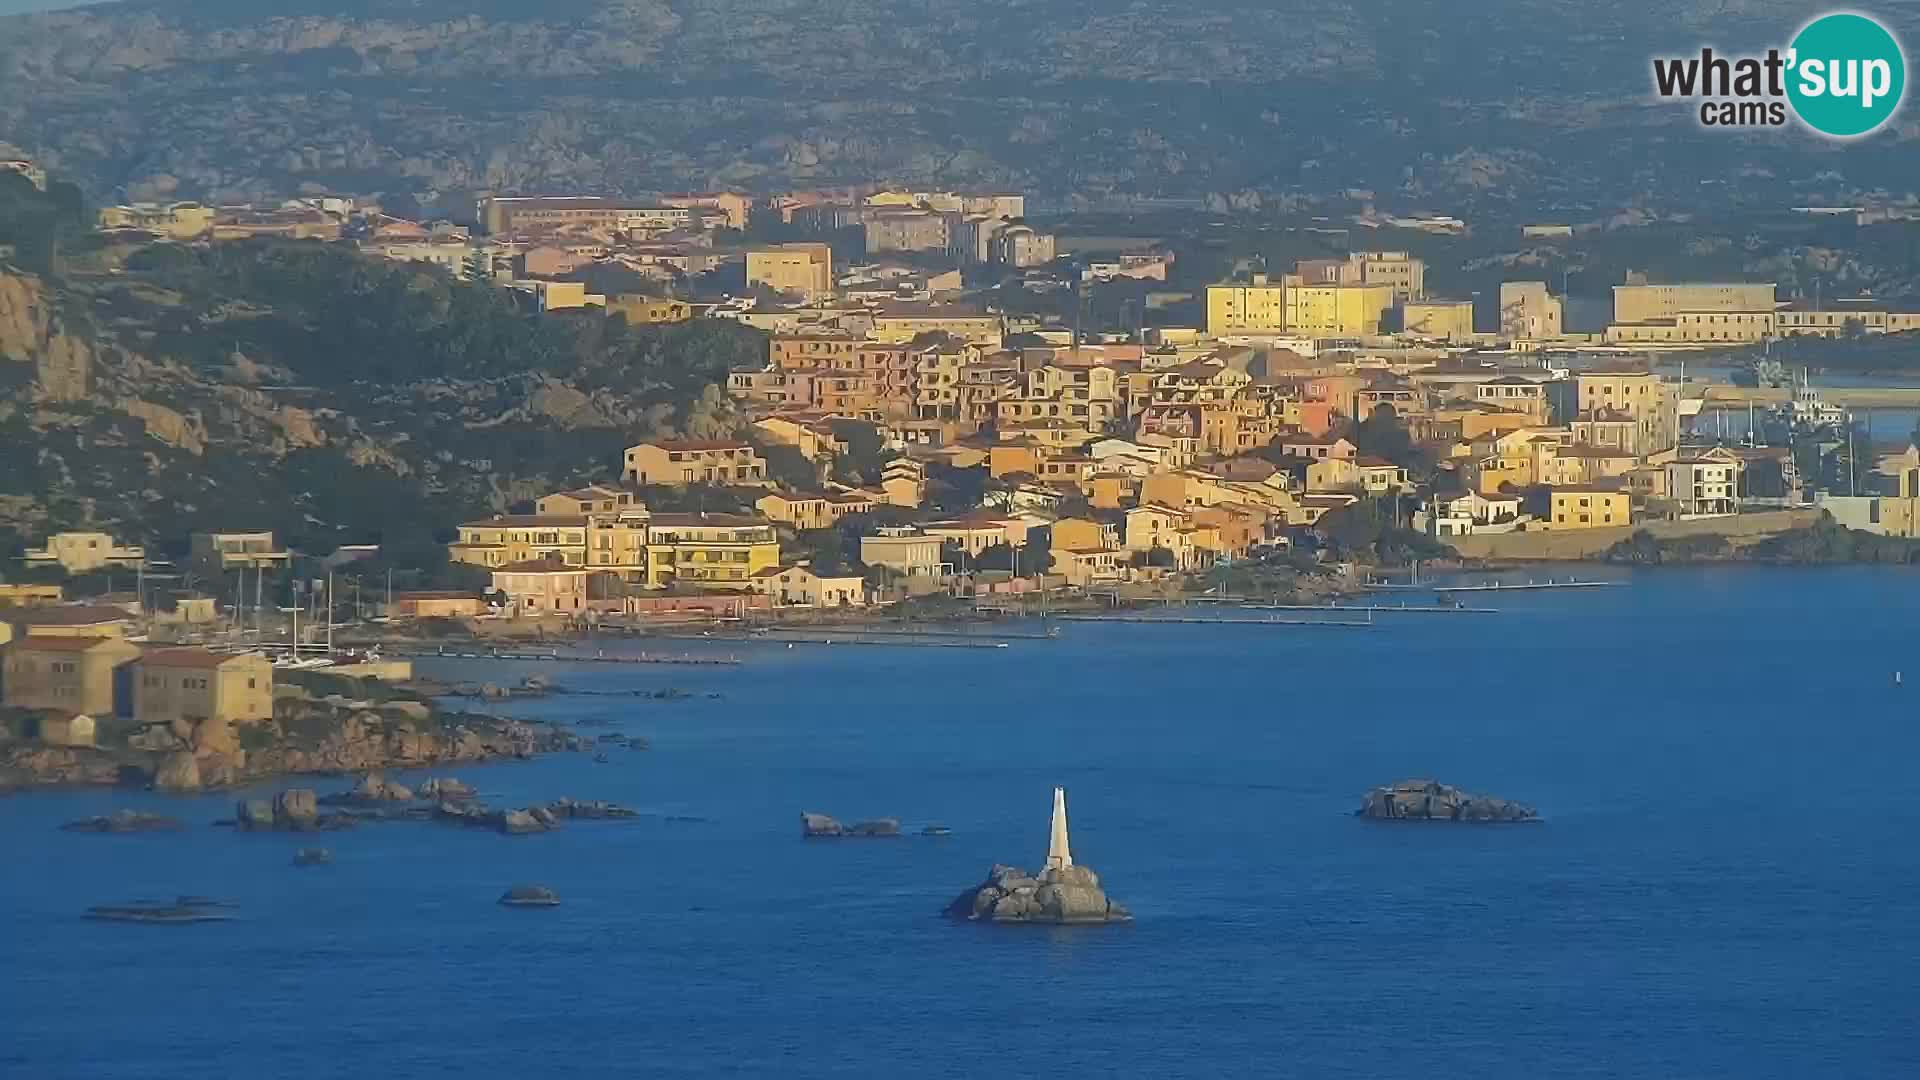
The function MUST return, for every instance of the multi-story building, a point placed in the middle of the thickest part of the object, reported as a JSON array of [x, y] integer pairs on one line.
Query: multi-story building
[[542, 587], [617, 544], [1439, 320], [175, 221], [87, 675], [1639, 395], [907, 552], [198, 687], [1336, 310], [1256, 306], [510, 539], [1518, 394], [222, 551], [801, 586], [1705, 484], [906, 230], [1397, 270], [679, 462], [793, 352], [1019, 246], [804, 268], [82, 552], [906, 322], [1587, 508], [1528, 311], [642, 310], [594, 498], [718, 550], [1638, 302], [538, 214]]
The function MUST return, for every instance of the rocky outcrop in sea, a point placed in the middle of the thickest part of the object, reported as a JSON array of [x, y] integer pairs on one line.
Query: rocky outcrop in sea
[[1430, 800], [823, 826], [1012, 895]]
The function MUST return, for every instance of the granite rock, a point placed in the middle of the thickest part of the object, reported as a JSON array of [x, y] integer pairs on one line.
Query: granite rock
[[1430, 800]]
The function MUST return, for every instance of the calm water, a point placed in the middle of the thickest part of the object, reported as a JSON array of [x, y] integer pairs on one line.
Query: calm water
[[1724, 886]]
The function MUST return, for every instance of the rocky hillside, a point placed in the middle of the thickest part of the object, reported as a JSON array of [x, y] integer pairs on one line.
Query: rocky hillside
[[1487, 106], [332, 398]]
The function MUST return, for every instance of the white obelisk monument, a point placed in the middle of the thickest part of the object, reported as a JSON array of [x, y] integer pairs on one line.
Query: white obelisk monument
[[1059, 857]]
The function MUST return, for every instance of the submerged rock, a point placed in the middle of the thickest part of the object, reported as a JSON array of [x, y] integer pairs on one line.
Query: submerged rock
[[1430, 800], [1012, 895], [186, 909], [816, 825], [530, 896], [124, 821], [312, 856]]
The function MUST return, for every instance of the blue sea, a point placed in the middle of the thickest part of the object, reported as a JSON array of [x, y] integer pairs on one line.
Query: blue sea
[[1724, 885]]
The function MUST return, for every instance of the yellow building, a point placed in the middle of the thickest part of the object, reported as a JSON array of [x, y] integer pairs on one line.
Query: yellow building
[[80, 620], [1084, 534], [679, 462], [22, 595], [506, 539], [906, 552], [175, 221], [1256, 306], [1087, 567], [1441, 320], [594, 498], [195, 685], [80, 552], [617, 544], [709, 549], [642, 310], [1640, 396], [71, 674], [899, 325], [802, 511], [1587, 508], [1336, 310], [805, 269], [224, 551], [542, 588], [800, 586], [1640, 303]]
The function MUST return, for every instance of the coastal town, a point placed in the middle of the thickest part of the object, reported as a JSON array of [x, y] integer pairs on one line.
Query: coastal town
[[920, 440]]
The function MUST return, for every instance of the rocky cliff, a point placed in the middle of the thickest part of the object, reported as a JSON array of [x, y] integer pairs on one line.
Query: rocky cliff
[[162, 392]]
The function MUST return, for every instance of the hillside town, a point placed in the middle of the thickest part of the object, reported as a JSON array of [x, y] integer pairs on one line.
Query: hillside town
[[910, 436]]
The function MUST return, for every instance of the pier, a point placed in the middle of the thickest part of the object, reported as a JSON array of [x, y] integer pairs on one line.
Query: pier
[[556, 657], [1384, 609], [1502, 586], [1188, 620]]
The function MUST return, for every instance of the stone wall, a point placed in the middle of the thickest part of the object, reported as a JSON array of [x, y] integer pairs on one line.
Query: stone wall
[[1577, 544]]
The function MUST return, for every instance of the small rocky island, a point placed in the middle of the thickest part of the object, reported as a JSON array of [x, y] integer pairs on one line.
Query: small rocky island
[[1063, 893], [1430, 800]]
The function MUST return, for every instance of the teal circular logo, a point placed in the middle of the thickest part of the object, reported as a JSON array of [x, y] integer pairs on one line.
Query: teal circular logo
[[1846, 75]]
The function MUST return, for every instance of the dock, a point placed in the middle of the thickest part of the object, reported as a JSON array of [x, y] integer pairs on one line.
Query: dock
[[1384, 609], [557, 657], [1187, 620], [911, 632], [1501, 586]]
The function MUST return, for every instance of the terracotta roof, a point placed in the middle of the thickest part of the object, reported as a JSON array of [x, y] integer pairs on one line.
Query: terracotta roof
[[731, 521], [82, 615], [539, 566], [512, 521], [194, 658], [698, 444], [64, 644]]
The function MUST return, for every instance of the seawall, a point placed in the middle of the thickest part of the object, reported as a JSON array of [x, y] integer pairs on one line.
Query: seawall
[[1578, 544]]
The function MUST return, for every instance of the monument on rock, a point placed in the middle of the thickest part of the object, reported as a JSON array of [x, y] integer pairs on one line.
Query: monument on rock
[[1061, 893]]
